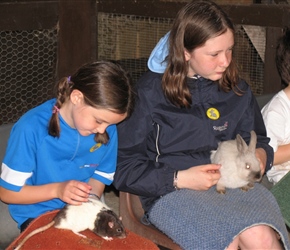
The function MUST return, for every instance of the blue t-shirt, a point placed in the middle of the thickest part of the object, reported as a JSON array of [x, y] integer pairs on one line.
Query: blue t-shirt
[[33, 157]]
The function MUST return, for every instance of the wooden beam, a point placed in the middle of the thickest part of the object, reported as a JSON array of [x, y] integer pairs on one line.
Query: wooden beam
[[28, 15], [272, 80], [77, 35], [267, 15], [150, 8]]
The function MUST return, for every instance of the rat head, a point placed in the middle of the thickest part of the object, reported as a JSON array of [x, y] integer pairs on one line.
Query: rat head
[[249, 166], [108, 224]]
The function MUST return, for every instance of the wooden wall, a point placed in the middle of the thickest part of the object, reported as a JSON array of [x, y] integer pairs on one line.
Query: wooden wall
[[76, 25]]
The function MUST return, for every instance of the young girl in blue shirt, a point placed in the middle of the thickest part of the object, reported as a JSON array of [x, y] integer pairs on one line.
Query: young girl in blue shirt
[[65, 149]]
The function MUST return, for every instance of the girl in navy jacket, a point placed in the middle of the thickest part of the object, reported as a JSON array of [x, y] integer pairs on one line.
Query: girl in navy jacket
[[191, 99]]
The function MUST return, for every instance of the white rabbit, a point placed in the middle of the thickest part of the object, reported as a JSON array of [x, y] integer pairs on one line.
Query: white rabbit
[[239, 166]]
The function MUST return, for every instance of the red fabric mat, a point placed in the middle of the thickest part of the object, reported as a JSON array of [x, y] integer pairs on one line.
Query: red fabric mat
[[54, 238]]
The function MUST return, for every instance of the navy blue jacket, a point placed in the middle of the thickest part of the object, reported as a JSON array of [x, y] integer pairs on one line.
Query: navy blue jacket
[[160, 138]]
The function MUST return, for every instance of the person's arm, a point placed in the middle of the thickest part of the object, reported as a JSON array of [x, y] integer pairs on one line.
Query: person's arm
[[138, 175], [275, 120], [264, 151], [282, 154], [97, 187], [72, 192], [135, 172]]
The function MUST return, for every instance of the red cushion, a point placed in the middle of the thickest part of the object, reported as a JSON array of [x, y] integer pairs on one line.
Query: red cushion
[[54, 238]]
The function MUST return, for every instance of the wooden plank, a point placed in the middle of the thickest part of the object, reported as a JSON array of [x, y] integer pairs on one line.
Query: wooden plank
[[272, 80], [28, 15], [77, 35], [267, 15], [150, 8]]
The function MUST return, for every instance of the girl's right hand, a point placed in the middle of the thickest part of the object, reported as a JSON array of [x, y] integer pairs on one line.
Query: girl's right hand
[[200, 177], [73, 192]]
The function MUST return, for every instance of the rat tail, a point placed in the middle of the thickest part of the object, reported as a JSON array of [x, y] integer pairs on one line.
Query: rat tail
[[36, 231]]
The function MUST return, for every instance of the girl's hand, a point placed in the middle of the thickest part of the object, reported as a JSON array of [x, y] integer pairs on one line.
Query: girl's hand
[[73, 192], [200, 177]]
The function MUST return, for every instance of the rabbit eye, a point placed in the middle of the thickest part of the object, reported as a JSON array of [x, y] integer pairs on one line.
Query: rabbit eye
[[247, 166]]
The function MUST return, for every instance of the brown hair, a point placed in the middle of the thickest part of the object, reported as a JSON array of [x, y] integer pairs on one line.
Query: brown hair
[[283, 56], [195, 23], [104, 84]]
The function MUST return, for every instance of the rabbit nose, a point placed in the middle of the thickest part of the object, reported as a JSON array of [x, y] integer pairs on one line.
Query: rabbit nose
[[255, 176], [258, 176]]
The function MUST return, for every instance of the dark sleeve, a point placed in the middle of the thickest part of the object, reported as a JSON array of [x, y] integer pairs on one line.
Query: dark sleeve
[[252, 120], [137, 172], [260, 129]]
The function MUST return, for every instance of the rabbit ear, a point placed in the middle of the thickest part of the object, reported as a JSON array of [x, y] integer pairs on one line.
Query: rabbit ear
[[241, 144], [253, 141]]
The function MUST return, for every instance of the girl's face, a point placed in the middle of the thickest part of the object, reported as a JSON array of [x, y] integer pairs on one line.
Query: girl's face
[[211, 60], [87, 119]]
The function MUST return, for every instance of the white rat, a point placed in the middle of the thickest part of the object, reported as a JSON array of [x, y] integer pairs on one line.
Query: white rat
[[239, 166], [93, 215]]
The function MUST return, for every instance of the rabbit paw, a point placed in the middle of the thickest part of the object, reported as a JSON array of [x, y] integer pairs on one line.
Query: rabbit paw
[[221, 190], [251, 185], [247, 187]]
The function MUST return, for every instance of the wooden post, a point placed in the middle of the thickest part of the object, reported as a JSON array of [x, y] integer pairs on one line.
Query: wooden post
[[77, 35], [272, 80]]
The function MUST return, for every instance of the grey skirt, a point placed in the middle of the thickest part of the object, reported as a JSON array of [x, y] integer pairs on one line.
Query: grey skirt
[[208, 220]]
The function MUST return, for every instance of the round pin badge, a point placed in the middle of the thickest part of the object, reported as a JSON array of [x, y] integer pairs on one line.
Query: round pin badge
[[213, 114]]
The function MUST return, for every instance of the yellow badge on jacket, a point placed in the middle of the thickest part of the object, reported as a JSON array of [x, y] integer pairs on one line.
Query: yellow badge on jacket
[[213, 114], [95, 147]]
